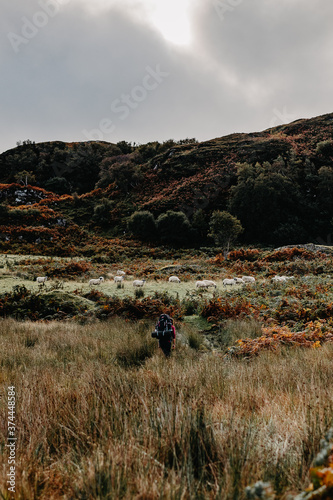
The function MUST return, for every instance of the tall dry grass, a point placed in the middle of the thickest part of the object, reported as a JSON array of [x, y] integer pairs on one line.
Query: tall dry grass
[[101, 414]]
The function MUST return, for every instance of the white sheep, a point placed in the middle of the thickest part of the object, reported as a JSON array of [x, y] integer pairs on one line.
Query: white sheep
[[174, 279], [280, 279], [201, 284], [121, 273], [227, 281], [96, 281], [210, 283], [239, 280], [41, 280], [118, 279], [248, 279], [139, 282]]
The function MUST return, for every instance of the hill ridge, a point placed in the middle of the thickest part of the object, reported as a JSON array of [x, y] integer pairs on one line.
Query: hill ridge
[[283, 189]]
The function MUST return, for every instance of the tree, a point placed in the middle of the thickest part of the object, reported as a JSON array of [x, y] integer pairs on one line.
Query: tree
[[102, 212], [142, 225], [122, 170], [224, 228], [292, 230], [325, 148], [4, 211], [125, 147], [262, 200], [58, 185], [174, 227], [325, 189], [25, 178], [199, 225]]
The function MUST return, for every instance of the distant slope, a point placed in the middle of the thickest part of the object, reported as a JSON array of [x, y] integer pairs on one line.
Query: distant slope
[[284, 191]]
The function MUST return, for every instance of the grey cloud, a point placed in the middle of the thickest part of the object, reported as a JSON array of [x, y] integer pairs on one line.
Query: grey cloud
[[264, 55], [280, 45]]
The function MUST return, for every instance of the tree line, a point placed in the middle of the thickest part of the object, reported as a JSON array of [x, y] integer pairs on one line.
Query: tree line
[[285, 200]]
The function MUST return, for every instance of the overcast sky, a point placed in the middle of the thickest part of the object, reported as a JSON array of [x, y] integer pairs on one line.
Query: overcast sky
[[145, 70]]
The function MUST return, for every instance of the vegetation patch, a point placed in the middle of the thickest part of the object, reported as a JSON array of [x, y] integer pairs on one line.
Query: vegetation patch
[[136, 425], [25, 304]]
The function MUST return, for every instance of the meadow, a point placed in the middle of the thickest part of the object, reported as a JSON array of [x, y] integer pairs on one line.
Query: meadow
[[247, 395]]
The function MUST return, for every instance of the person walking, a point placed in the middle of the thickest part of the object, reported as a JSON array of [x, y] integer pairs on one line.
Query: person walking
[[165, 332]]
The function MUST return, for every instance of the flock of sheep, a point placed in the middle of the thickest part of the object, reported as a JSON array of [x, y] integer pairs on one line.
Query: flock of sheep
[[226, 282], [237, 281], [97, 281], [120, 276]]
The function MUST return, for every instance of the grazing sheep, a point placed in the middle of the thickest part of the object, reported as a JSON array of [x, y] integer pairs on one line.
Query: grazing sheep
[[239, 280], [41, 280], [210, 283], [280, 279], [248, 279], [201, 284], [118, 279], [121, 273], [96, 281], [174, 279], [228, 281], [139, 282]]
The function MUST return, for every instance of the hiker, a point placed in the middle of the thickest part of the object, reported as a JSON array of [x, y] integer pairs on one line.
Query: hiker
[[165, 332]]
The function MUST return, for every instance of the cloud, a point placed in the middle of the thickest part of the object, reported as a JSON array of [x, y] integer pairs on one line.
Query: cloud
[[270, 49], [258, 57]]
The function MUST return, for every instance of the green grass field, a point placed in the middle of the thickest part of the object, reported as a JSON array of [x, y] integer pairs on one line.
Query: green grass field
[[12, 275]]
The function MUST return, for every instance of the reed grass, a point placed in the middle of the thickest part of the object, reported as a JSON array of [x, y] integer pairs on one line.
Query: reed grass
[[93, 422]]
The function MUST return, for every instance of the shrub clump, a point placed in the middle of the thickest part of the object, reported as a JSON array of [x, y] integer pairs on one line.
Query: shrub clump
[[71, 270], [22, 303], [289, 254], [132, 308], [244, 254]]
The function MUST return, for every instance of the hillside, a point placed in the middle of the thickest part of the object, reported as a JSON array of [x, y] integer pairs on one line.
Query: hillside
[[278, 182]]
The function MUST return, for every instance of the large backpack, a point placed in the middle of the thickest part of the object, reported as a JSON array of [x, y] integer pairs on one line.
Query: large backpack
[[164, 327]]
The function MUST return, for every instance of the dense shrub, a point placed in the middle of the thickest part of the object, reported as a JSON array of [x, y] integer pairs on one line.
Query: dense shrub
[[143, 225], [219, 308], [58, 185], [174, 228], [70, 270], [289, 254], [244, 254], [102, 212], [24, 304]]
